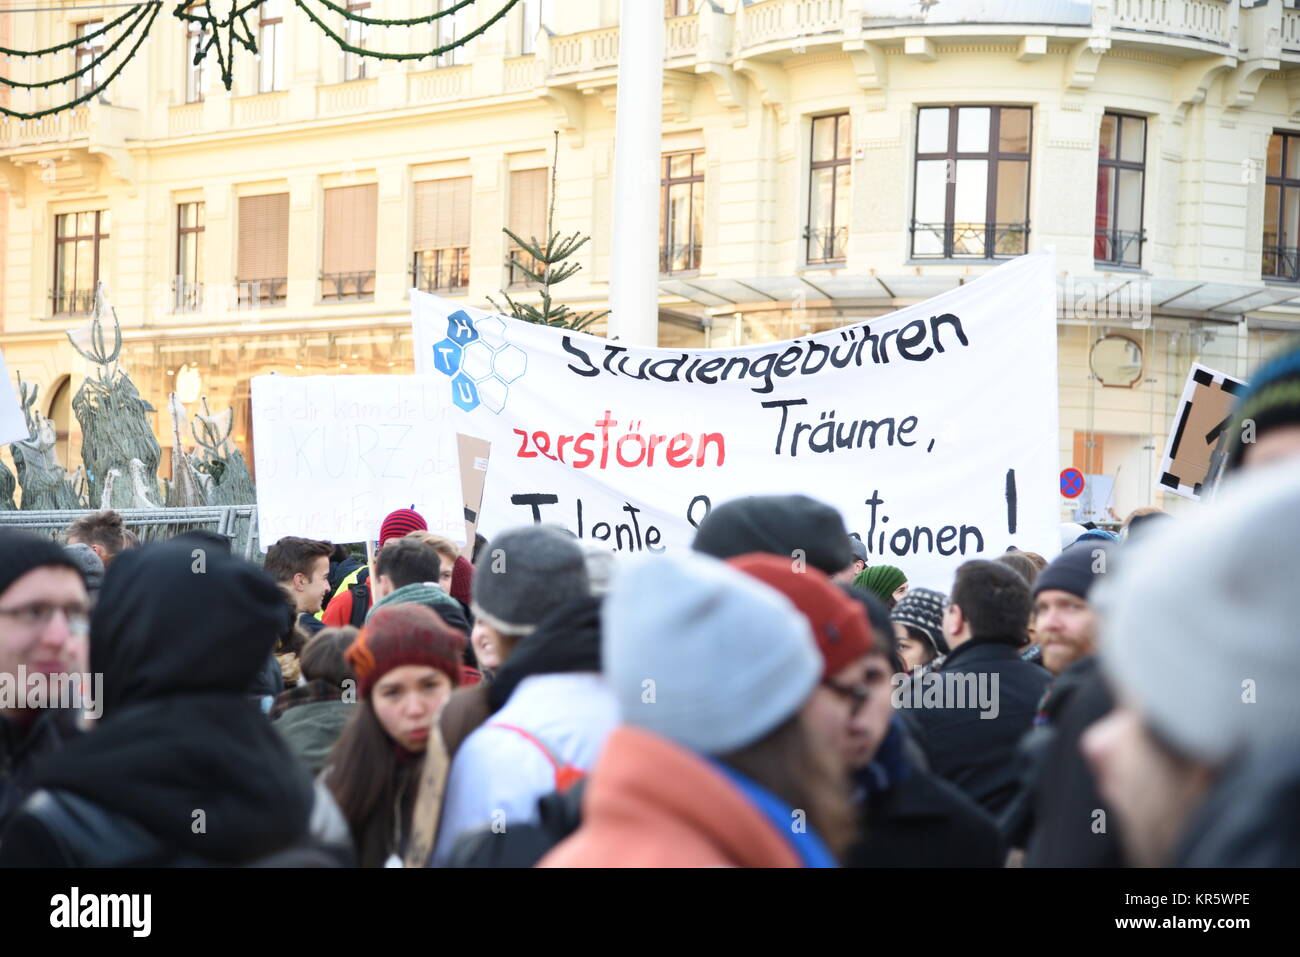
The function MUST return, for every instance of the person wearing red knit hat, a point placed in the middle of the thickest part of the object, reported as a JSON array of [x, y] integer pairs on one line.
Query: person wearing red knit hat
[[346, 606], [844, 639], [407, 661]]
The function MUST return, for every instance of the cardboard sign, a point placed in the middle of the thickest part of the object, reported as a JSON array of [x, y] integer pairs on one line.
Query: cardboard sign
[[1197, 445]]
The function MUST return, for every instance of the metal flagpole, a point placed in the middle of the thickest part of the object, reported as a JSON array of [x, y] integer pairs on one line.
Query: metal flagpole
[[634, 266]]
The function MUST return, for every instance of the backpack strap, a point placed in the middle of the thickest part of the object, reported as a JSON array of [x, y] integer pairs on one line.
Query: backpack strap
[[360, 605], [566, 775]]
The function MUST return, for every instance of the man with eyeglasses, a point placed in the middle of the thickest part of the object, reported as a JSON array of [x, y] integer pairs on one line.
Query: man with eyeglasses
[[43, 631]]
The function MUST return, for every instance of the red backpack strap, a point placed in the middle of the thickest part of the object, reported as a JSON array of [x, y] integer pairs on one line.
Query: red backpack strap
[[566, 775]]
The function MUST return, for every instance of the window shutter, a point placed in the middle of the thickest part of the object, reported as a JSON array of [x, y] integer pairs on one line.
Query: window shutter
[[442, 213], [350, 229], [263, 237], [528, 203]]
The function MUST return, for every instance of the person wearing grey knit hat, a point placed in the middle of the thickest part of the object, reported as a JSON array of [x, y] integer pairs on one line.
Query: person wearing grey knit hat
[[713, 672], [92, 568], [1199, 644], [519, 578]]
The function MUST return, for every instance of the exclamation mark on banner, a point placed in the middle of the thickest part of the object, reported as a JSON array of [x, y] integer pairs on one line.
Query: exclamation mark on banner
[[1011, 501]]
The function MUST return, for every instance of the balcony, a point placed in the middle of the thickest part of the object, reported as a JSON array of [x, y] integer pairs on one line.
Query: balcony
[[774, 24], [1119, 247], [1207, 21], [62, 128], [1281, 263], [954, 240]]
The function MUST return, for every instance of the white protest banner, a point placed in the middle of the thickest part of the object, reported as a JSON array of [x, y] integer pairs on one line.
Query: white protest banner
[[335, 454], [933, 429], [13, 426]]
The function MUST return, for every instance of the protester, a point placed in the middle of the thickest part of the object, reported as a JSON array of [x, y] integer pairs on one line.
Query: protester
[[1070, 532], [715, 755], [971, 712], [407, 662], [521, 577], [1059, 793], [92, 569], [462, 579], [1199, 646], [918, 628], [312, 716], [1266, 421], [550, 713], [103, 531], [886, 582], [352, 599], [1142, 520], [300, 566], [179, 769], [407, 570], [795, 526], [447, 550], [908, 816], [859, 548], [1023, 564], [43, 630], [342, 565]]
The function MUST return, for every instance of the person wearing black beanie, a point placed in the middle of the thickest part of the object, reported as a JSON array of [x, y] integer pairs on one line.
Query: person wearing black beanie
[[37, 577], [1064, 622], [779, 525], [181, 768]]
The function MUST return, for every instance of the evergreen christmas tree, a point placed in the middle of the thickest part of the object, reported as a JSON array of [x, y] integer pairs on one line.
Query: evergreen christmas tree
[[548, 267]]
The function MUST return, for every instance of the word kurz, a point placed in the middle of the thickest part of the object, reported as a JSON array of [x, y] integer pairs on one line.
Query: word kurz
[[631, 450]]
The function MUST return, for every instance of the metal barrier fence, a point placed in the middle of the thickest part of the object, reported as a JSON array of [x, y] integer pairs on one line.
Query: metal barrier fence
[[236, 522]]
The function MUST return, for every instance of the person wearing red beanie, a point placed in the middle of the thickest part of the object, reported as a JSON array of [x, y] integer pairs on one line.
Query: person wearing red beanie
[[843, 635], [407, 661]]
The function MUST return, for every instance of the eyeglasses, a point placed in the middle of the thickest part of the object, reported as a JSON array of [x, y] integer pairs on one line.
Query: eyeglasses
[[38, 615], [856, 695]]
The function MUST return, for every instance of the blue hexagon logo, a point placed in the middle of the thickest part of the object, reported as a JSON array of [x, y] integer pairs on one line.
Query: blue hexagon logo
[[460, 327], [446, 357], [464, 393]]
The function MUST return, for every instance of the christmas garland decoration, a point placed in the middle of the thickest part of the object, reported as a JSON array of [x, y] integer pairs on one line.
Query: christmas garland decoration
[[224, 34]]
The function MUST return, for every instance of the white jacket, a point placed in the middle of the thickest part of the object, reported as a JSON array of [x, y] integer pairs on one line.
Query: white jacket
[[498, 775]]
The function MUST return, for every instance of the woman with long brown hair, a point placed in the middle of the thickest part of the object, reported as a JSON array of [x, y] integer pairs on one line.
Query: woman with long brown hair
[[407, 662]]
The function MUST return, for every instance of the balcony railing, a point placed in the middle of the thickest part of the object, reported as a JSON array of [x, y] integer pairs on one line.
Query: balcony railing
[[773, 21], [186, 296], [255, 293], [679, 257], [442, 270], [826, 244], [1119, 247], [584, 52], [72, 302], [971, 240], [1213, 21], [1281, 263], [341, 286], [57, 127]]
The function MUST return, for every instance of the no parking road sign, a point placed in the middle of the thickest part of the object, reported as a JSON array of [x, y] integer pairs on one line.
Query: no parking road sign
[[1071, 483]]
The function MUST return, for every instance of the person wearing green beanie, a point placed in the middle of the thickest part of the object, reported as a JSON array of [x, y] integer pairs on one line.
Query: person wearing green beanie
[[886, 582]]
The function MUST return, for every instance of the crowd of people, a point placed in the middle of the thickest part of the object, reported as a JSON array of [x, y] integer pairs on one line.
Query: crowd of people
[[770, 698]]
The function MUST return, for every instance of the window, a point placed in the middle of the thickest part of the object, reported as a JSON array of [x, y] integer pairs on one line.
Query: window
[[195, 38], [270, 47], [442, 235], [827, 231], [530, 22], [1282, 208], [87, 51], [1121, 171], [447, 29], [677, 8], [527, 220], [972, 182], [681, 211], [189, 257], [349, 261], [80, 251], [262, 273], [354, 65]]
